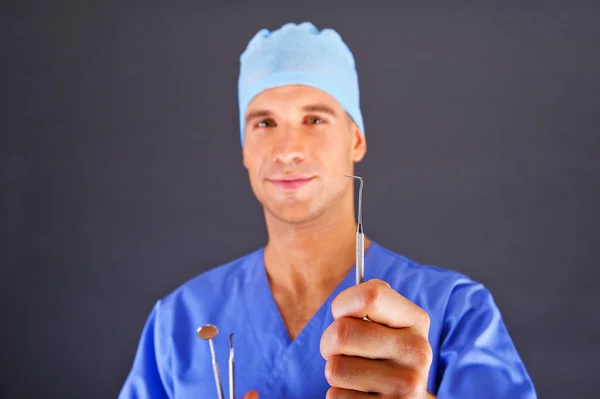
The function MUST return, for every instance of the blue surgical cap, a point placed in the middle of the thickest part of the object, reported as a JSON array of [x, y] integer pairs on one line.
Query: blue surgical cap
[[299, 54]]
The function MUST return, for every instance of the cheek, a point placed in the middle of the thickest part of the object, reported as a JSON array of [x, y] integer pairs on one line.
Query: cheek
[[336, 154], [255, 162], [254, 169], [252, 156]]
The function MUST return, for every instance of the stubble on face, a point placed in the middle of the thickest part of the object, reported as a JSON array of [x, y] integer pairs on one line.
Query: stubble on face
[[292, 136]]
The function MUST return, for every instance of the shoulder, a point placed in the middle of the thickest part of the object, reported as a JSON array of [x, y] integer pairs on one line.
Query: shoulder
[[438, 290], [209, 291], [402, 270]]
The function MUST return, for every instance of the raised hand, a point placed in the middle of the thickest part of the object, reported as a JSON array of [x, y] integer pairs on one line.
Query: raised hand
[[388, 354]]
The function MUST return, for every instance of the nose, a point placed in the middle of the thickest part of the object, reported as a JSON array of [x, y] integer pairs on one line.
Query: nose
[[290, 147]]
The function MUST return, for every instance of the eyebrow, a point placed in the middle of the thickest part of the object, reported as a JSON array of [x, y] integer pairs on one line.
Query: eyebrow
[[326, 109], [257, 114]]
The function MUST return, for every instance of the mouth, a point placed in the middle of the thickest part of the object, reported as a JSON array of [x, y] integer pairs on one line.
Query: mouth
[[293, 182]]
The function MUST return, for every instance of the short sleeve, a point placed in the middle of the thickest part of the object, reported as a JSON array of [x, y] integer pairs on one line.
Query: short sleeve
[[478, 358], [148, 377]]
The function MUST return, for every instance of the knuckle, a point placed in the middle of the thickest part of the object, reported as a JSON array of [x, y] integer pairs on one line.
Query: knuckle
[[379, 282], [372, 296], [419, 390], [422, 351], [337, 338], [332, 369], [424, 317], [406, 382], [399, 343], [417, 349], [333, 393], [341, 331], [327, 341], [324, 346]]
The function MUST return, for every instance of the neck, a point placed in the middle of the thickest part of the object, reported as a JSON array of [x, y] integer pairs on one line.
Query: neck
[[312, 257]]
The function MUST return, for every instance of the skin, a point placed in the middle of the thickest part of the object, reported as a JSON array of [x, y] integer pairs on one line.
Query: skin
[[311, 247]]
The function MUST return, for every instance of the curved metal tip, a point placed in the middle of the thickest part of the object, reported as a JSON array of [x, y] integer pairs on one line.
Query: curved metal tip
[[360, 190], [231, 340], [355, 177]]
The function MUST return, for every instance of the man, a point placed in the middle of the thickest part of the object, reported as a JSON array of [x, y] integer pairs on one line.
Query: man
[[297, 318]]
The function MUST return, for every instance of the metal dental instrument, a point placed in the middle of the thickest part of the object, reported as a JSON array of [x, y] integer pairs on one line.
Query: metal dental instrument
[[231, 381], [360, 238], [208, 332]]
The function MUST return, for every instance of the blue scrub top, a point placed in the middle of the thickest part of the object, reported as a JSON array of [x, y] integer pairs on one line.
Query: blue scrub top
[[473, 354]]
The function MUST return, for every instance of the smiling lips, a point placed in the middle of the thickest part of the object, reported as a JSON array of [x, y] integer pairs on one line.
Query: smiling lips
[[291, 182]]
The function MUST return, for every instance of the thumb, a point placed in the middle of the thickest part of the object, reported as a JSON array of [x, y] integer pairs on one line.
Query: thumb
[[251, 395]]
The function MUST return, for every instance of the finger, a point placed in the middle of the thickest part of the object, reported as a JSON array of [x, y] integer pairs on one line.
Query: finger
[[366, 375], [338, 393], [355, 337], [251, 395], [376, 300]]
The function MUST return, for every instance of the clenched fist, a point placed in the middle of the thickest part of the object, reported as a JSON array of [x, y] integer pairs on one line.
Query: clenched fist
[[388, 354]]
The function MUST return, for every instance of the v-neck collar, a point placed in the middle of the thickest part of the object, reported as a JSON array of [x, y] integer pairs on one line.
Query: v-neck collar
[[265, 318]]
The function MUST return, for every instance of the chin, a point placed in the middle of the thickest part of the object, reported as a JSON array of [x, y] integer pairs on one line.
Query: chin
[[293, 213]]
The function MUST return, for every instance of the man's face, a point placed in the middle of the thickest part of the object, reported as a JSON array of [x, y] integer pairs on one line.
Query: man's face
[[298, 144]]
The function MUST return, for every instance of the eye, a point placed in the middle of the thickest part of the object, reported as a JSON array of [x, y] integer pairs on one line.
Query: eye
[[265, 123], [314, 120]]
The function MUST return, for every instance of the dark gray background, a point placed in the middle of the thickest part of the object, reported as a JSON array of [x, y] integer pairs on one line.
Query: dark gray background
[[122, 175]]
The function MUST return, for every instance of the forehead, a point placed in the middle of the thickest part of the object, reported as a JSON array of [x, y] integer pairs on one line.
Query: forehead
[[291, 96]]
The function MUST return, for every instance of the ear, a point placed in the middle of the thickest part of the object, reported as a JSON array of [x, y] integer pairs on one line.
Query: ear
[[359, 144]]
